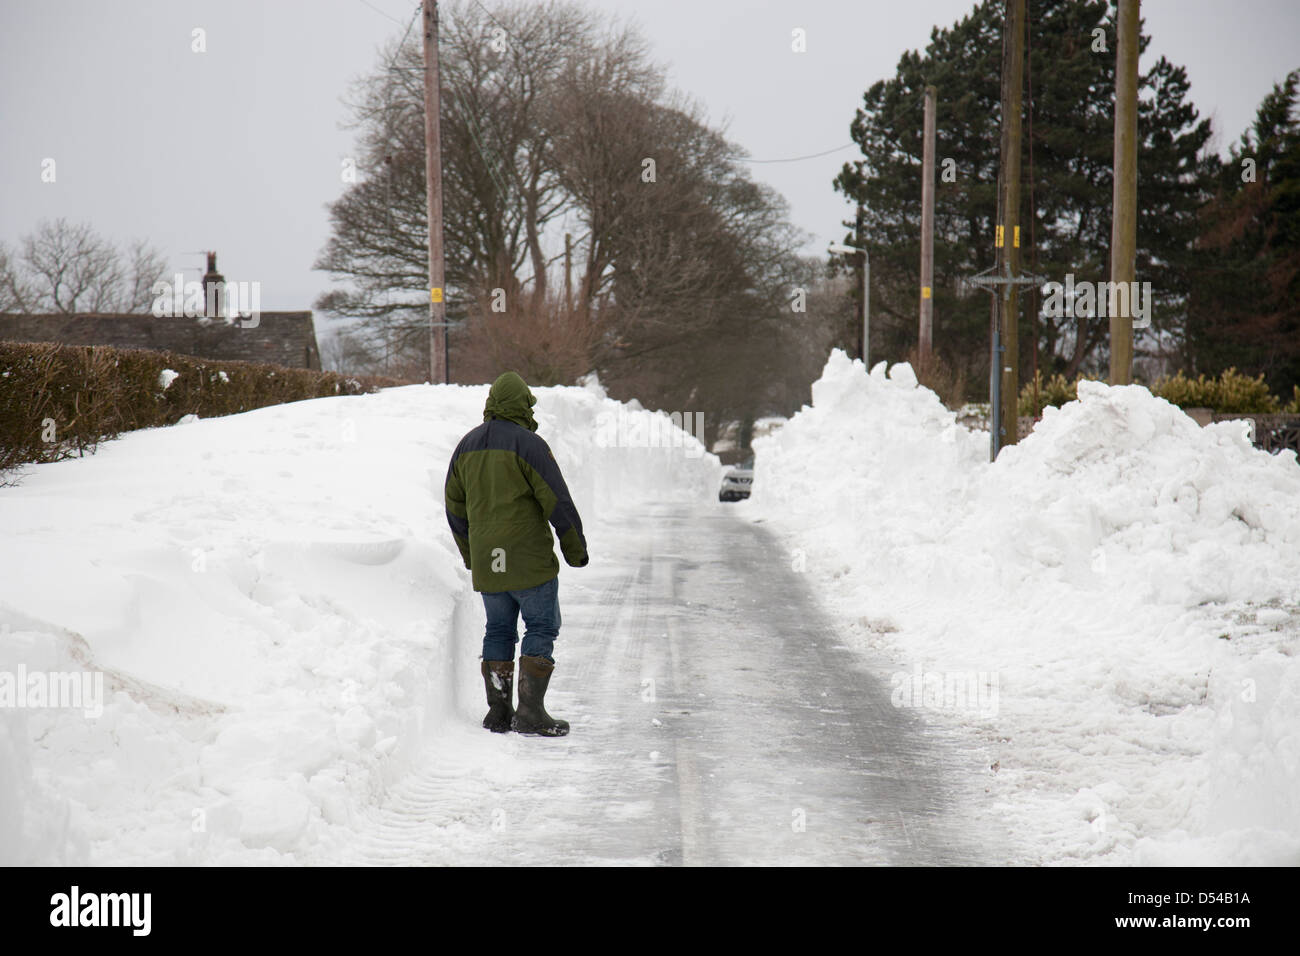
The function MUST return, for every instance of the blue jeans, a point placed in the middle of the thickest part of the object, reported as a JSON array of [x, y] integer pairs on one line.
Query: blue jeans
[[541, 608]]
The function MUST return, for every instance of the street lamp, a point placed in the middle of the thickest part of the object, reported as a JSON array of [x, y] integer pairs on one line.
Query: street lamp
[[844, 250]]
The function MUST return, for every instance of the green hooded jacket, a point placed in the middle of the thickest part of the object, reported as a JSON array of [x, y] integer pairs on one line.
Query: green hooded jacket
[[503, 486]]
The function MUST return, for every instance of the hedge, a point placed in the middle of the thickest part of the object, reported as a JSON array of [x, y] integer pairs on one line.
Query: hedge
[[1230, 393], [57, 401]]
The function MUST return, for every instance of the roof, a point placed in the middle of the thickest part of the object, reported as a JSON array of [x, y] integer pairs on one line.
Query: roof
[[281, 338]]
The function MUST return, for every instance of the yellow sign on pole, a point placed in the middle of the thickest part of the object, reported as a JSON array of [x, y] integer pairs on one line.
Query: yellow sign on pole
[[997, 241], [925, 292], [435, 295]]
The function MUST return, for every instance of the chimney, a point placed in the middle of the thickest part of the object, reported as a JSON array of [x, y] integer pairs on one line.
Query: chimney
[[214, 290]]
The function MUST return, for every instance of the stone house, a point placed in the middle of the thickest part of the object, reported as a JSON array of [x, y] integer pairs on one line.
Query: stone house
[[280, 338]]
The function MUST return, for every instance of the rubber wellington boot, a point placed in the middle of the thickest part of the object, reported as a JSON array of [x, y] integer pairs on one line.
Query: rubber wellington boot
[[531, 717], [499, 680]]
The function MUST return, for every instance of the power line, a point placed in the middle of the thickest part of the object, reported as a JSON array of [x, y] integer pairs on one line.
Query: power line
[[488, 14], [381, 12], [493, 19], [392, 60], [796, 159], [470, 123], [410, 23]]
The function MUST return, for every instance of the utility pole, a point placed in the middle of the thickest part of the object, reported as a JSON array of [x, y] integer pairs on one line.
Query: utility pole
[[1003, 279], [863, 338], [1123, 229], [866, 308], [433, 191], [1007, 236], [927, 232], [865, 332]]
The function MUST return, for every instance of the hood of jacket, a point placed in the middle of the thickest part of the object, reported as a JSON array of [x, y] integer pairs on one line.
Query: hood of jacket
[[511, 401]]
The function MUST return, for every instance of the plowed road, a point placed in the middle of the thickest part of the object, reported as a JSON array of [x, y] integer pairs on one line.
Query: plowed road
[[717, 719]]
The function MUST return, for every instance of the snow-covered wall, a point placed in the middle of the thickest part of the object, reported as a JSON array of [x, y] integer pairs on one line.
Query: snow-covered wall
[[279, 616], [1132, 581]]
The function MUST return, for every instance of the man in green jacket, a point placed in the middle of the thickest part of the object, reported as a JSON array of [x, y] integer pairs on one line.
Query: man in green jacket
[[503, 485]]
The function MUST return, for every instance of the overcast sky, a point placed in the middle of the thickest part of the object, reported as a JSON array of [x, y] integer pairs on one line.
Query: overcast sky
[[238, 149]]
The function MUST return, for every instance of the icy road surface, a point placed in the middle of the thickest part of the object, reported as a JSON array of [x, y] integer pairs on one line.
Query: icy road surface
[[717, 719]]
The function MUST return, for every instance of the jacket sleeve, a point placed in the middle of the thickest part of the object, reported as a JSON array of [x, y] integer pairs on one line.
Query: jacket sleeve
[[543, 474], [453, 494]]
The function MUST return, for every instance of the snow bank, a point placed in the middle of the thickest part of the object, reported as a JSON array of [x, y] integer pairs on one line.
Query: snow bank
[[1127, 580], [277, 612]]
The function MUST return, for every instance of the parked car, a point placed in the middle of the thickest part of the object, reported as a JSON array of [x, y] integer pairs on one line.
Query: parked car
[[737, 481]]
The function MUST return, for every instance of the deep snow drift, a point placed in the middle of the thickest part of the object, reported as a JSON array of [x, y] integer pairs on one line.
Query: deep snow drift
[[1112, 605], [278, 611], [282, 624]]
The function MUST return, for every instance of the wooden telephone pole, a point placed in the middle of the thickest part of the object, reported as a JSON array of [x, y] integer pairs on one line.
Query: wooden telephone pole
[[1003, 279], [433, 195], [926, 331], [1123, 229], [1007, 236]]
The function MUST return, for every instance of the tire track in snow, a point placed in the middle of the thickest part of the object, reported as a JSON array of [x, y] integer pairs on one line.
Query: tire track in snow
[[479, 799], [765, 741]]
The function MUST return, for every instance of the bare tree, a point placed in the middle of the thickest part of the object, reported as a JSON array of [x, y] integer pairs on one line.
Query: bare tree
[[500, 190], [15, 289], [68, 267], [145, 266], [689, 262], [344, 352], [553, 114], [542, 340], [350, 351]]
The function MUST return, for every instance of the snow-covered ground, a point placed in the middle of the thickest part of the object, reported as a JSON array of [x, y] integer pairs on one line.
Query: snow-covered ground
[[1113, 606], [278, 613], [287, 640]]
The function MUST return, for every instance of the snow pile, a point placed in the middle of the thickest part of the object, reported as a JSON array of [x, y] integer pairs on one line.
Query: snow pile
[[1182, 514], [1129, 579], [277, 612], [634, 454]]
